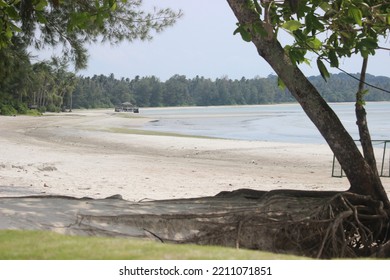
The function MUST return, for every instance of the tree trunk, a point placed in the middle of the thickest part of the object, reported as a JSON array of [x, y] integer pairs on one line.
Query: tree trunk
[[361, 121], [359, 173]]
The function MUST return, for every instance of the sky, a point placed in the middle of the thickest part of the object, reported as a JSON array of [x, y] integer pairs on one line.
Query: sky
[[200, 43]]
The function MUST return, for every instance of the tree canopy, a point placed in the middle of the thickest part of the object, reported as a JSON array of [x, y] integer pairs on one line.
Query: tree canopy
[[330, 29], [72, 25], [69, 27]]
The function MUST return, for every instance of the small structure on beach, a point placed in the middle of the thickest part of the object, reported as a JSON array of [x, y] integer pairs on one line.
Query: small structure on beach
[[126, 107], [381, 153]]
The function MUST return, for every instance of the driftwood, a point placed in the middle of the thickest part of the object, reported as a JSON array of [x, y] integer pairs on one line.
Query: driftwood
[[309, 223]]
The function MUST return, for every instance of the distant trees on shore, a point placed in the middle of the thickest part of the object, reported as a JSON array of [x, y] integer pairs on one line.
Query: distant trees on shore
[[107, 91], [49, 87]]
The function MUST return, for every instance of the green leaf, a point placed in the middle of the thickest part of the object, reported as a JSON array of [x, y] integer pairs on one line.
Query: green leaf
[[259, 29], [292, 25], [11, 12], [295, 53], [356, 14], [15, 28], [281, 84], [322, 68], [312, 23], [370, 43], [325, 6], [3, 4], [366, 47], [41, 5], [314, 43], [113, 6], [307, 62], [361, 102], [8, 33], [245, 35], [334, 61], [41, 18]]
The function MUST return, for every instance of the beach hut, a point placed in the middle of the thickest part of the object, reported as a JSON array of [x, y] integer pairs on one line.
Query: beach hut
[[127, 107]]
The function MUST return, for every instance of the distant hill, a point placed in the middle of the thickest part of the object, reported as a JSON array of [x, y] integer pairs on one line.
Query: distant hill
[[342, 88]]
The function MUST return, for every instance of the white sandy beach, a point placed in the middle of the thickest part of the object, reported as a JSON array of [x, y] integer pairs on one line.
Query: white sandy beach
[[96, 154], [90, 153]]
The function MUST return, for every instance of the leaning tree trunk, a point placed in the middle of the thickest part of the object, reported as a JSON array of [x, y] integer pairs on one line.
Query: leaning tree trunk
[[359, 173]]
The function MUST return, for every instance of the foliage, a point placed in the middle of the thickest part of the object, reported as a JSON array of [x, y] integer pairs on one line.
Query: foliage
[[102, 91], [43, 86], [68, 26], [15, 69], [7, 110], [71, 25], [331, 29], [48, 86]]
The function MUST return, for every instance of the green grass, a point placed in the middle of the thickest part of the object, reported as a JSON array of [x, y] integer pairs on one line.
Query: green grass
[[41, 245], [33, 112]]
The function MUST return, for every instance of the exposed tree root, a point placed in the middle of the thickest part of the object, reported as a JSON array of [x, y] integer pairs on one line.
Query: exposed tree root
[[314, 224], [323, 225]]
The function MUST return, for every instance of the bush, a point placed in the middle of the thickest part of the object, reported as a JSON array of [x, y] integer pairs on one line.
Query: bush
[[52, 108], [42, 109], [33, 112], [7, 110], [22, 108]]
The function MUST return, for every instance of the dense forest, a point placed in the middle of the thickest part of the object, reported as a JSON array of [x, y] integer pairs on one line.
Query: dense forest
[[103, 91], [48, 86], [40, 86]]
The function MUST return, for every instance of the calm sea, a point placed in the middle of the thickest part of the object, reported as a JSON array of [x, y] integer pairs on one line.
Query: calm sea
[[276, 123]]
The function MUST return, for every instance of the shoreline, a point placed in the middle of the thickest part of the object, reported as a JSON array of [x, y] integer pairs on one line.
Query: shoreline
[[78, 156], [47, 163], [285, 123]]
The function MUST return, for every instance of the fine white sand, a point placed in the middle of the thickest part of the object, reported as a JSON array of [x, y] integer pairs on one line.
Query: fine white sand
[[96, 154], [100, 153]]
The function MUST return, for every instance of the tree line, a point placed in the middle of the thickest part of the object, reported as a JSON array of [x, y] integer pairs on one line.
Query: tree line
[[48, 86], [107, 91]]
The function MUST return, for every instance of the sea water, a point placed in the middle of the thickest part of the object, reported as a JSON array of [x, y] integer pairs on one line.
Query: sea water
[[275, 123]]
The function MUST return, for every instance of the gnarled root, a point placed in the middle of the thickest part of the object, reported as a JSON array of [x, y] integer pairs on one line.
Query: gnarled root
[[315, 224], [308, 223]]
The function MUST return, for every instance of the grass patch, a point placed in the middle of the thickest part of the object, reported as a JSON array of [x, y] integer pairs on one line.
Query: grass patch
[[33, 112], [41, 245]]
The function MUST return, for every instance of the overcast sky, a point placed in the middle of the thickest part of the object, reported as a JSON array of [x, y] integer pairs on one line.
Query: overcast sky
[[201, 43]]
